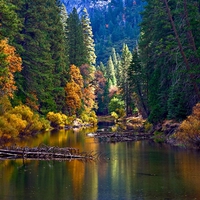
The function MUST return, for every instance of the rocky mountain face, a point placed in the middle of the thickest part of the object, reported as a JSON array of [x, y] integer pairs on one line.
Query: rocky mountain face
[[114, 22], [81, 4]]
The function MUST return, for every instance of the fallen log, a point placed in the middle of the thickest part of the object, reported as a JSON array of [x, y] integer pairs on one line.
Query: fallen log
[[122, 137], [44, 152]]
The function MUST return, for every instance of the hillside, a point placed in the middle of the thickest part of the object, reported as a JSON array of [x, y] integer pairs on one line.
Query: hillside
[[114, 22]]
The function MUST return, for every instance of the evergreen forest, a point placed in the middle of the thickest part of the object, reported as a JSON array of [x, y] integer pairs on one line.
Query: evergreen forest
[[138, 58]]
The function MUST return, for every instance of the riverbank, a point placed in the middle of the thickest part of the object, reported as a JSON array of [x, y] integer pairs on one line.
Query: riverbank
[[136, 128], [183, 134]]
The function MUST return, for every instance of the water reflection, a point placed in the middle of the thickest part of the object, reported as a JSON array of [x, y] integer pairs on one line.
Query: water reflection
[[135, 170]]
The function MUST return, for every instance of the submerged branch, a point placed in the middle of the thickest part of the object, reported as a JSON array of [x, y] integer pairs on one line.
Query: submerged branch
[[44, 152]]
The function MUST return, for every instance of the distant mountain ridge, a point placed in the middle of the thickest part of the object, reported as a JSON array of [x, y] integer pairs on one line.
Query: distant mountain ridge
[[88, 4], [114, 22]]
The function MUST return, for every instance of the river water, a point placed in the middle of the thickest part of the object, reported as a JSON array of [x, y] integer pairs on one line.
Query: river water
[[133, 170]]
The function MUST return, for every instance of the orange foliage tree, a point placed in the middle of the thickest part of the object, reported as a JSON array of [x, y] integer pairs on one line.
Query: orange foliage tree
[[101, 92], [32, 101], [88, 74], [10, 63], [101, 82], [73, 97], [189, 130], [75, 75], [80, 91], [73, 91], [89, 98]]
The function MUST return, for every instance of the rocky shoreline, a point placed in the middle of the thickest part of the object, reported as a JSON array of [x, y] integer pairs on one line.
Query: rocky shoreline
[[136, 129]]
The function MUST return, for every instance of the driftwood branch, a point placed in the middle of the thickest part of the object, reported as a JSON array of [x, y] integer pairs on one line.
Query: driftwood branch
[[44, 152]]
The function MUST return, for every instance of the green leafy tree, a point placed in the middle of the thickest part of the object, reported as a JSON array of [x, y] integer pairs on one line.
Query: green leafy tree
[[115, 105]]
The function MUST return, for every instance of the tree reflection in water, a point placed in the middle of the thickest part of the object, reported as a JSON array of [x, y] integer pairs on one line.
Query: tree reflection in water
[[134, 170]]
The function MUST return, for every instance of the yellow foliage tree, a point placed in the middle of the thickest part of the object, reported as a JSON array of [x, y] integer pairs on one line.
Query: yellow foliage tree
[[5, 104], [21, 120], [189, 130], [89, 118], [57, 119], [11, 62]]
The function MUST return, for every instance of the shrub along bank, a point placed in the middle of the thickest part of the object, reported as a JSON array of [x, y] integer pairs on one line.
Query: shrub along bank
[[184, 134], [20, 121]]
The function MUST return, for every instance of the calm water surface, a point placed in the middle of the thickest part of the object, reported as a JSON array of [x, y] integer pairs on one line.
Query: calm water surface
[[134, 170]]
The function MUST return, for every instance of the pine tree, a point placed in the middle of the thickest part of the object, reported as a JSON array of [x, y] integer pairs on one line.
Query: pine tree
[[59, 50], [9, 21], [137, 81], [77, 48], [114, 57], [110, 73], [102, 68], [116, 61], [166, 48], [44, 56], [88, 38], [156, 46], [64, 17], [123, 76]]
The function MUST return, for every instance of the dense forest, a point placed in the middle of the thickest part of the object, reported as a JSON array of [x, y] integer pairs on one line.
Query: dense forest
[[50, 70], [47, 66], [118, 24]]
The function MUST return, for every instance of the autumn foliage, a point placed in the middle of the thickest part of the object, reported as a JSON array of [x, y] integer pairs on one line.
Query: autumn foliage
[[75, 75], [57, 120], [88, 91], [189, 130], [32, 100], [89, 98], [73, 97], [21, 120], [89, 118], [101, 82], [10, 63]]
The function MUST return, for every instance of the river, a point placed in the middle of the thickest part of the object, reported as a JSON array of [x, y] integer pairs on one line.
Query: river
[[139, 170]]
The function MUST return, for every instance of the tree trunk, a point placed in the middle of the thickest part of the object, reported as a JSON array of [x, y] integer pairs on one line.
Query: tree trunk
[[196, 89]]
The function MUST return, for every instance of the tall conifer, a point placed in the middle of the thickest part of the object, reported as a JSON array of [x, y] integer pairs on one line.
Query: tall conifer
[[123, 76], [44, 56], [88, 38], [110, 73], [77, 49]]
